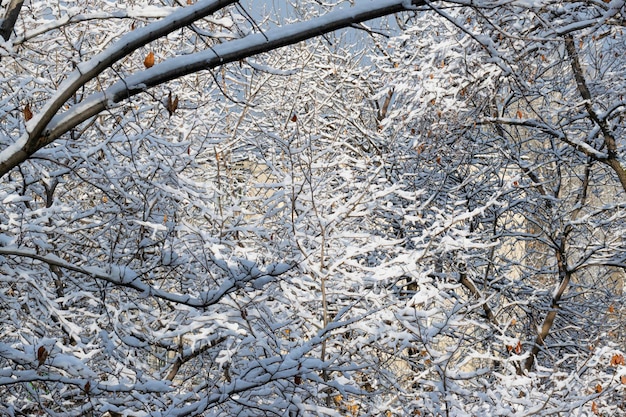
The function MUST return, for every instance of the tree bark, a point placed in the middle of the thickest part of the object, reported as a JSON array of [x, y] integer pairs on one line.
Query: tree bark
[[607, 134], [565, 277], [10, 17]]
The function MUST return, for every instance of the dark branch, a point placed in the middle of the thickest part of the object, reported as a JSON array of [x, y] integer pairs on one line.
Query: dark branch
[[8, 23]]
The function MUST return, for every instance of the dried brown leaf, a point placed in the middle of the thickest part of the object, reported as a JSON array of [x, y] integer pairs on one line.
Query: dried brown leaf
[[28, 114], [148, 62], [42, 355]]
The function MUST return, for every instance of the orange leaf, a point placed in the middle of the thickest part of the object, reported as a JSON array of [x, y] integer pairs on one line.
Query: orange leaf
[[594, 408], [513, 321], [623, 379], [520, 114], [149, 61], [611, 308], [598, 388], [189, 1], [28, 114], [518, 348], [353, 409], [617, 359]]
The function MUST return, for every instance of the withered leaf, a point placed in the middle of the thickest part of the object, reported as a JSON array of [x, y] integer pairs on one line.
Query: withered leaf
[[42, 355], [149, 61]]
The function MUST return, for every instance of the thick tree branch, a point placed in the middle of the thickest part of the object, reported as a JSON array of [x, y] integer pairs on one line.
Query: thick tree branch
[[565, 276], [49, 126], [8, 23], [609, 140], [33, 139]]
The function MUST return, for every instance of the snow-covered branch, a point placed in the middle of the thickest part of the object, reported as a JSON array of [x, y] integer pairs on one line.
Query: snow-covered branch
[[49, 125], [35, 138], [139, 12], [128, 278]]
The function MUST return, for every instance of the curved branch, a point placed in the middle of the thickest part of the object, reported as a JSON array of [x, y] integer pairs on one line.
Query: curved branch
[[132, 13], [565, 276], [48, 126], [33, 140], [609, 139]]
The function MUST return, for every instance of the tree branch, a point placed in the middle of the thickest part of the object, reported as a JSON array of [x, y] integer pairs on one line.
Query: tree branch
[[34, 138], [128, 279], [609, 140], [8, 23], [565, 276], [182, 358], [45, 128]]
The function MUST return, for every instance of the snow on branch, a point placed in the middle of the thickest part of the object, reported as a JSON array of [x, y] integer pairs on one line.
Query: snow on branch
[[299, 362], [126, 277], [48, 125], [143, 12], [32, 140], [231, 51]]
